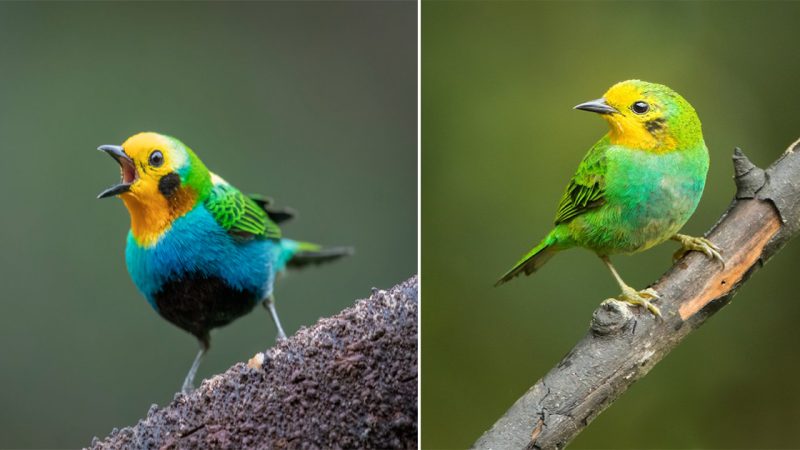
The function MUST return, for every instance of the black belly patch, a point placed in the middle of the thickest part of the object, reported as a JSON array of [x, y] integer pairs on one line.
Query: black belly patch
[[197, 304]]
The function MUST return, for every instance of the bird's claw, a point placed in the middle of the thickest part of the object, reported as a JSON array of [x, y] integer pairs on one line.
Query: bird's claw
[[641, 298], [650, 293], [699, 244]]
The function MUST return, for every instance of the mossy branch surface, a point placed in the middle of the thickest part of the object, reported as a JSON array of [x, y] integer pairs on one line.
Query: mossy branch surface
[[349, 381], [623, 344]]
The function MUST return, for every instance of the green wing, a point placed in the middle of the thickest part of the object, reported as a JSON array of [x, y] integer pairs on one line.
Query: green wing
[[239, 214], [586, 189]]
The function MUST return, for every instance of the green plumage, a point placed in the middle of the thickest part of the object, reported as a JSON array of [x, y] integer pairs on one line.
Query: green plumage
[[587, 187], [239, 214], [637, 186]]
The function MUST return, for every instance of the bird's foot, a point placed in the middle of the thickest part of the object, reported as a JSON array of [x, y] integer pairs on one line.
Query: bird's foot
[[641, 298], [699, 244]]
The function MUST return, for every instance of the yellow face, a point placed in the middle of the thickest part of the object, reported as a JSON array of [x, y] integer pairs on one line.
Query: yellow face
[[151, 186], [153, 157], [641, 118]]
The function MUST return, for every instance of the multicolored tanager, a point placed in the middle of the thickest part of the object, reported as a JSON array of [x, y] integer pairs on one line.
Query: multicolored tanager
[[200, 251]]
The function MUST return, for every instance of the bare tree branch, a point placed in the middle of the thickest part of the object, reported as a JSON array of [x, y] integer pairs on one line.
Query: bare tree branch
[[623, 344], [350, 381]]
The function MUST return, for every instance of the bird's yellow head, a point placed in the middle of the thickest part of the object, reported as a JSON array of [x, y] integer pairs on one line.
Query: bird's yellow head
[[161, 180], [647, 116]]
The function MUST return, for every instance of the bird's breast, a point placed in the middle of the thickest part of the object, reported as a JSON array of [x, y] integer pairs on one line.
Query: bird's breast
[[654, 195], [194, 248]]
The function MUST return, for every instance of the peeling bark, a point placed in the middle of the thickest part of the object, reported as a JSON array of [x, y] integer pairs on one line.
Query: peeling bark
[[624, 343]]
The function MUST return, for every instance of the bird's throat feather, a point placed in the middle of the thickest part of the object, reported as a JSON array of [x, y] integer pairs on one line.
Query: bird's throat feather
[[151, 217]]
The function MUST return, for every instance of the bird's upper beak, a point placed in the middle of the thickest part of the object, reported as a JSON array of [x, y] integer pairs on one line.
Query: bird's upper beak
[[127, 170], [599, 106]]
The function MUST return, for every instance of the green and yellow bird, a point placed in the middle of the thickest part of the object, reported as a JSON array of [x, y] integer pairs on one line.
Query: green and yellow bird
[[637, 186]]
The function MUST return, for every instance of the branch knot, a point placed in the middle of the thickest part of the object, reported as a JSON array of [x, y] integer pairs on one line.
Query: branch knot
[[749, 179], [611, 317]]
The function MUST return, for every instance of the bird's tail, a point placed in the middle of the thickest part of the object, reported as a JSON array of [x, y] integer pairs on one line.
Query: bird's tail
[[298, 254], [532, 260]]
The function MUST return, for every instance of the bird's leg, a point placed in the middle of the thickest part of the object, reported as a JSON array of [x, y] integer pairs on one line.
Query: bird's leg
[[700, 244], [269, 303], [188, 382], [631, 295]]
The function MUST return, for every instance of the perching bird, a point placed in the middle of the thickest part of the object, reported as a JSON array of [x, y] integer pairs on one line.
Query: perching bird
[[201, 252], [636, 187]]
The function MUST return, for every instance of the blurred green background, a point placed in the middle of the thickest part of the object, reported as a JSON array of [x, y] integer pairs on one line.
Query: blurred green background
[[312, 103], [500, 141]]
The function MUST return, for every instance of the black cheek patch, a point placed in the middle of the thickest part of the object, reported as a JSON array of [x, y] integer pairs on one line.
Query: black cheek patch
[[169, 183], [655, 125]]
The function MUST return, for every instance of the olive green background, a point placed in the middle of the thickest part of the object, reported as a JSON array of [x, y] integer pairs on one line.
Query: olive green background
[[500, 141], [314, 104]]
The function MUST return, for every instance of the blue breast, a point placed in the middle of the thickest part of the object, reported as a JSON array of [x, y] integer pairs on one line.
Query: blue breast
[[196, 244]]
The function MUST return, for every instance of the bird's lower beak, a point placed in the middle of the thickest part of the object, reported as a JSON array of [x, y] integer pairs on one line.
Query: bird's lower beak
[[598, 106], [127, 170]]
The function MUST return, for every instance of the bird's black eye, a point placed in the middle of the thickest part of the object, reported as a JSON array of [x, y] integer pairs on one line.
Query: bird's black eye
[[640, 107], [156, 158]]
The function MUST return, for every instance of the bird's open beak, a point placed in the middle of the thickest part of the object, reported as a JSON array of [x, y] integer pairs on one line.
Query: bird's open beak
[[127, 170], [598, 106]]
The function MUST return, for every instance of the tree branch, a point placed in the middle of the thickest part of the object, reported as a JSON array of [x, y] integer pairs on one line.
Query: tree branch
[[350, 381], [624, 343]]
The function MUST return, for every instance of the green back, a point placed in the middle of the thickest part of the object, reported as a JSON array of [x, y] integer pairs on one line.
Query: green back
[[239, 214]]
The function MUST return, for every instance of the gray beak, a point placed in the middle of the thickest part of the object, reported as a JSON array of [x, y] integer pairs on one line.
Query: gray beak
[[597, 106], [128, 170]]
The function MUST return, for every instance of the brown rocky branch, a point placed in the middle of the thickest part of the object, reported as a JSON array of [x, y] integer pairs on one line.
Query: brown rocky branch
[[623, 344], [350, 381]]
